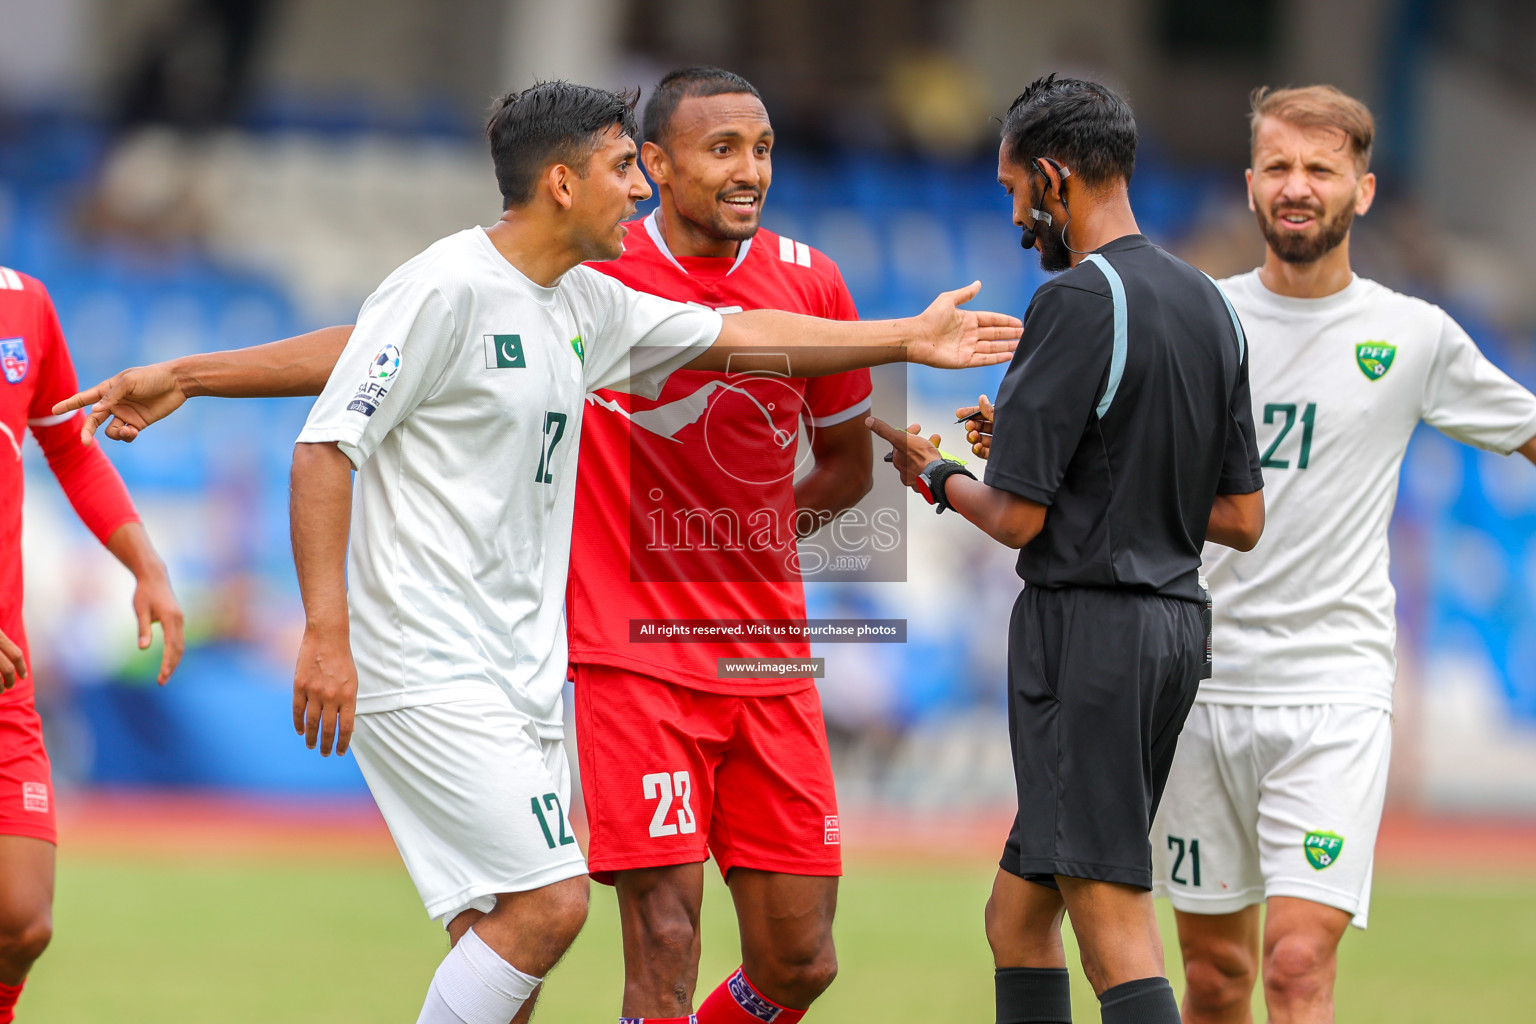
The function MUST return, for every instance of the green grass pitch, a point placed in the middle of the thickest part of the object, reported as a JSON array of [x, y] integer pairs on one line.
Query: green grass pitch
[[234, 942]]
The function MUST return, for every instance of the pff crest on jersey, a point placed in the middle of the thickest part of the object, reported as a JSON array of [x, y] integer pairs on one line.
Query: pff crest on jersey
[[1375, 358], [1322, 848], [13, 357]]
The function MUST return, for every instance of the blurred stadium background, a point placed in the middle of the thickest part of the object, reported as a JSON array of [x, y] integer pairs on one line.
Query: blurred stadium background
[[197, 174]]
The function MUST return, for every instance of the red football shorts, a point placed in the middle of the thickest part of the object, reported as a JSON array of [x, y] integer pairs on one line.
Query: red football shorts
[[670, 775], [26, 779]]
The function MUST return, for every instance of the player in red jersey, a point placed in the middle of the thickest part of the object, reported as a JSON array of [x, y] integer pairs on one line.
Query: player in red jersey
[[37, 373], [699, 522]]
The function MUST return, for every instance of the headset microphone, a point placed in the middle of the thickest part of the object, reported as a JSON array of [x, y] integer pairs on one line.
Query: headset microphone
[[1029, 234]]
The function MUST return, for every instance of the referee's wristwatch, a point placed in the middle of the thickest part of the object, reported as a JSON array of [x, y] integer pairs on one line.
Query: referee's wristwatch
[[930, 482]]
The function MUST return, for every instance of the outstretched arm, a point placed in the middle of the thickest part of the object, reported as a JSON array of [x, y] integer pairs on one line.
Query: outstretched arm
[[1528, 450], [135, 398], [944, 335]]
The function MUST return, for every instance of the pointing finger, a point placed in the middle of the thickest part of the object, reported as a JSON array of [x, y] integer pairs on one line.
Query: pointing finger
[[883, 429], [80, 400]]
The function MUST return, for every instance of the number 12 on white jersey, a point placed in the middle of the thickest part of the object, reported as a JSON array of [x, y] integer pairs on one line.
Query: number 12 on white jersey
[[664, 787]]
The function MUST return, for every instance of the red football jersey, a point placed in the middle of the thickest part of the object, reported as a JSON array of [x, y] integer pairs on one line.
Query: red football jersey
[[35, 374], [685, 505]]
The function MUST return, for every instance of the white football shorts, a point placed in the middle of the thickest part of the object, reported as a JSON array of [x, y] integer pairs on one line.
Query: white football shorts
[[1273, 801], [475, 800]]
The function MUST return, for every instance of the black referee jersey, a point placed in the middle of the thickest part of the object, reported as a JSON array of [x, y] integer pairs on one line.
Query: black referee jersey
[[1126, 411]]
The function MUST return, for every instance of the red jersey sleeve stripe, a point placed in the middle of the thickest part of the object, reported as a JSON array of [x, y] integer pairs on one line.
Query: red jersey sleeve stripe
[[833, 419]]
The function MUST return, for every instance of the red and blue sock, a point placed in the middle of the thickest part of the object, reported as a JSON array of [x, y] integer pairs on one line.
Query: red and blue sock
[[737, 1001]]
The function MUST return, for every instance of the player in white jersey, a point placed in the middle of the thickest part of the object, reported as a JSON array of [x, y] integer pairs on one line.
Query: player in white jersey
[[1277, 787], [458, 401]]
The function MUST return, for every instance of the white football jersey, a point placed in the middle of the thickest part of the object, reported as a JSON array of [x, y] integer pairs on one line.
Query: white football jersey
[[1339, 384], [459, 400]]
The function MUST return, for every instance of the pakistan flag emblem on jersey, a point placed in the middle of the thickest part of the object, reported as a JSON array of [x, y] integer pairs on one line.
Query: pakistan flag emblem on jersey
[[579, 348], [1375, 358], [1322, 848]]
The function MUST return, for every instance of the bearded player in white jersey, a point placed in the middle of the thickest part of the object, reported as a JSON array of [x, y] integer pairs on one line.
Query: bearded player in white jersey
[[1277, 787]]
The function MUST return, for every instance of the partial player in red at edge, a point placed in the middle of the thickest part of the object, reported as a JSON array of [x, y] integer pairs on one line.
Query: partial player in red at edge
[[37, 372]]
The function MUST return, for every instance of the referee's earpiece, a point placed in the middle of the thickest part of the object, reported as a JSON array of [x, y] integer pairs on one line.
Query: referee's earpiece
[[1028, 234]]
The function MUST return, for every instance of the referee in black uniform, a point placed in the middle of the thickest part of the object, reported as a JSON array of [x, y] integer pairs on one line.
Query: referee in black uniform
[[1122, 440]]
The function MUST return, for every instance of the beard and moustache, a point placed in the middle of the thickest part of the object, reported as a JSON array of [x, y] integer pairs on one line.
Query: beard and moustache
[[1054, 254], [1308, 246]]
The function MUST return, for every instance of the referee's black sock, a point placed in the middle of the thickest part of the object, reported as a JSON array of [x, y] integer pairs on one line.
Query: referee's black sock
[[1033, 995], [1143, 1001]]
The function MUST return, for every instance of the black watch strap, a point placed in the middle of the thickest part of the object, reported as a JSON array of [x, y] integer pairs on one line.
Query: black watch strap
[[937, 474]]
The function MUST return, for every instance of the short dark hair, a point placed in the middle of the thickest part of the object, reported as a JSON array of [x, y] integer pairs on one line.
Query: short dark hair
[[680, 85], [552, 122], [1084, 125]]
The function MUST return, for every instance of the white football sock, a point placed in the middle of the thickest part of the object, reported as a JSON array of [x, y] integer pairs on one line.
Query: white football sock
[[473, 985]]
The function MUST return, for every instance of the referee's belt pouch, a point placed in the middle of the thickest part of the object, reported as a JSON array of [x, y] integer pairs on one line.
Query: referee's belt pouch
[[1205, 620]]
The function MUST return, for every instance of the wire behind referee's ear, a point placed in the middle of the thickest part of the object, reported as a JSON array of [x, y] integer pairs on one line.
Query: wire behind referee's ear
[[1064, 173]]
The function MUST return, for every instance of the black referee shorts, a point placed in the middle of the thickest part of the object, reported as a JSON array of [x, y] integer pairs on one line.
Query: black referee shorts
[[1099, 685]]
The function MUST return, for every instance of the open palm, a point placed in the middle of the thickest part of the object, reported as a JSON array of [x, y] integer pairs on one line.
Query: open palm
[[951, 337]]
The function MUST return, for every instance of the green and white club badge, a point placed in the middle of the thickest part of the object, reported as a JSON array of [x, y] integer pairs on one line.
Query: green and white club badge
[[1375, 358], [1322, 848]]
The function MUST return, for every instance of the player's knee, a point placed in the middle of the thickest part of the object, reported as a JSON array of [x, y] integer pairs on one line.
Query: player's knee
[[1299, 966], [23, 941], [666, 931], [795, 974], [563, 909], [801, 977], [997, 934], [1013, 931], [817, 975], [1218, 977]]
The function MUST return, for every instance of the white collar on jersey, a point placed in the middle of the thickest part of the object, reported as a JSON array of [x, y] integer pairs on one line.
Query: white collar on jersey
[[654, 231]]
